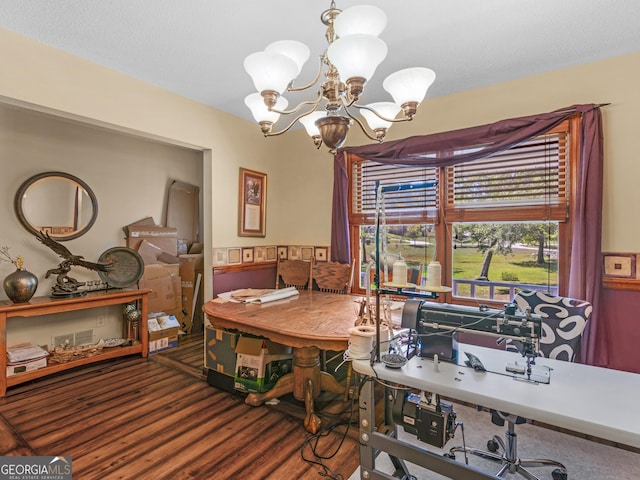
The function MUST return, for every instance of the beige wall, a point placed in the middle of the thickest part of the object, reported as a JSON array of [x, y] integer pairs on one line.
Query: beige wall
[[300, 177], [612, 81]]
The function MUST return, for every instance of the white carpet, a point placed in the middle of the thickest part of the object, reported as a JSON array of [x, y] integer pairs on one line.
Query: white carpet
[[584, 460]]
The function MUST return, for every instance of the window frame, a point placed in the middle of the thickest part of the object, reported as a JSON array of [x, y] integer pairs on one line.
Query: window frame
[[445, 216]]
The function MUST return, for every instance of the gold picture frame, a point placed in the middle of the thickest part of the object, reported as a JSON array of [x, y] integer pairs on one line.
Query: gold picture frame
[[252, 204]]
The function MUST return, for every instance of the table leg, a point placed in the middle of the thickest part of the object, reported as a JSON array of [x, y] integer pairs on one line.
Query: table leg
[[283, 386], [306, 382]]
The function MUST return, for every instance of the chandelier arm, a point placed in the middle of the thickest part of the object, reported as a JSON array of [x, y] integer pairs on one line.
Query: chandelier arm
[[291, 88], [288, 127], [299, 106], [362, 127], [392, 120]]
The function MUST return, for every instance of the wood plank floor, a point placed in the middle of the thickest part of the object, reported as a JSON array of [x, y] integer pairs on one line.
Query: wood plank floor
[[157, 418]]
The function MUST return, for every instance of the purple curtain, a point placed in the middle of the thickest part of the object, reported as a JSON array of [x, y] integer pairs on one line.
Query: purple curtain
[[458, 146], [586, 265]]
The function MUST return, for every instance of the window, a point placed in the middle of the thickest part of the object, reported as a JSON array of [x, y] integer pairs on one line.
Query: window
[[496, 224]]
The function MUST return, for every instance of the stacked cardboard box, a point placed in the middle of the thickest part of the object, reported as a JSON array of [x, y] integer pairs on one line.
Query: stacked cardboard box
[[174, 280]]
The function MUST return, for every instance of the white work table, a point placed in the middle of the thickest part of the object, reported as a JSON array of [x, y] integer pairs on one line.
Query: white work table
[[595, 401]]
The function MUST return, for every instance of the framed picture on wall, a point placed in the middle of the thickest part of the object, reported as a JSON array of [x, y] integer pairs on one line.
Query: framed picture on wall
[[306, 253], [247, 255], [270, 255], [283, 253], [259, 254], [252, 206], [321, 254], [234, 256]]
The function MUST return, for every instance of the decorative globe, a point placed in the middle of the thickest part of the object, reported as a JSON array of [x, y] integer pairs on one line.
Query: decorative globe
[[134, 314], [127, 308]]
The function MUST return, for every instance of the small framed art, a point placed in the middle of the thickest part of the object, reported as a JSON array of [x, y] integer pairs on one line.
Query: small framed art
[[234, 256], [259, 254], [619, 265], [294, 253], [321, 254], [252, 204], [247, 255], [306, 253]]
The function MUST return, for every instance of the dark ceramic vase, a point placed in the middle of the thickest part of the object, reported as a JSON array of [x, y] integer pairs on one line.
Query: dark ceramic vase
[[20, 285]]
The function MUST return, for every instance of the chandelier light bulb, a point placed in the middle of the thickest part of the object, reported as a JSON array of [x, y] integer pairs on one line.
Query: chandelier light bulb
[[270, 71], [387, 109], [309, 122], [360, 19], [357, 55], [260, 112], [296, 51], [409, 85]]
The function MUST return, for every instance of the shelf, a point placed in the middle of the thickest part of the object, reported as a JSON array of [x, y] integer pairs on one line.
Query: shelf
[[106, 354], [39, 306]]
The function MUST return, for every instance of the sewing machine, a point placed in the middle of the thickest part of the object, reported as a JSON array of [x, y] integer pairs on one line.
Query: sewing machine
[[436, 326]]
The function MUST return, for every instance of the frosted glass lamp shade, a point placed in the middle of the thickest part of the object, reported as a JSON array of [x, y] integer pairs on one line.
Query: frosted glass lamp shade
[[409, 85], [309, 122], [260, 112], [386, 109], [360, 19], [296, 51], [357, 55], [270, 71]]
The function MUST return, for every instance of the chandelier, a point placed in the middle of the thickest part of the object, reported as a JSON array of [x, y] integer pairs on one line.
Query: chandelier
[[354, 52]]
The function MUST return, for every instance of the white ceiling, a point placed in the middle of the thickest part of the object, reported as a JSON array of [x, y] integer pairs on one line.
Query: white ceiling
[[196, 47]]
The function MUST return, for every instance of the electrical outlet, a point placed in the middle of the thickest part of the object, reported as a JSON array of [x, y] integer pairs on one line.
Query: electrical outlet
[[100, 322]]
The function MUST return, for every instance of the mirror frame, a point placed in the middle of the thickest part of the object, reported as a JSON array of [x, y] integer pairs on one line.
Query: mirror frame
[[17, 204]]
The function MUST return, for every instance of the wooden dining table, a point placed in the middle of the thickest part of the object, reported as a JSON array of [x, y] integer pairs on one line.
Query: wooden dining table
[[309, 322]]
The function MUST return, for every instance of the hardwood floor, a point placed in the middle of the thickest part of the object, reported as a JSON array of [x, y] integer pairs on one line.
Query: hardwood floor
[[157, 418]]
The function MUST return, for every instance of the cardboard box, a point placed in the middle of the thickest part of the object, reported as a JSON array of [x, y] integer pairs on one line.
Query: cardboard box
[[220, 347], [260, 363], [150, 252], [145, 221], [161, 270], [162, 344], [163, 340], [191, 266], [165, 238], [28, 366], [183, 202], [162, 297]]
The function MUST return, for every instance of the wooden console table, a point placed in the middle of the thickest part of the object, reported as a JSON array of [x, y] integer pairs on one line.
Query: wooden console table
[[47, 306]]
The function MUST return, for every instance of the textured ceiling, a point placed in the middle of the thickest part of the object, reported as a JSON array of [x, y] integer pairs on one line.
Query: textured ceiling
[[196, 47]]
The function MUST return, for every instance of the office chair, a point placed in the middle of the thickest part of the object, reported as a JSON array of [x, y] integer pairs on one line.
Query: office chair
[[563, 321]]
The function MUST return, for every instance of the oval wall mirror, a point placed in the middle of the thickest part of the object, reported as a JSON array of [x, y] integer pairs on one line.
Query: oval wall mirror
[[56, 203]]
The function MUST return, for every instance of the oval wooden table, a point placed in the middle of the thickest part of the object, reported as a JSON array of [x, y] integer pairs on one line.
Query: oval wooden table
[[309, 322]]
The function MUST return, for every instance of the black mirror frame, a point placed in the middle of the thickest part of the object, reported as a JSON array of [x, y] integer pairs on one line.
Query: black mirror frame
[[17, 204]]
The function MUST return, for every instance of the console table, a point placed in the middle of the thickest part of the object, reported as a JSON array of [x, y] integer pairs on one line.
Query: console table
[[39, 306]]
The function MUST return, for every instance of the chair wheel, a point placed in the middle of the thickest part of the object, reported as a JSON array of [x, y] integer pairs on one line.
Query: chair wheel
[[493, 446], [558, 474]]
